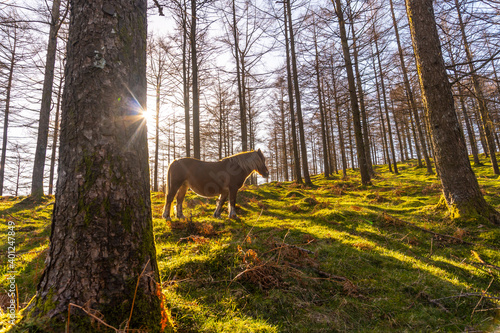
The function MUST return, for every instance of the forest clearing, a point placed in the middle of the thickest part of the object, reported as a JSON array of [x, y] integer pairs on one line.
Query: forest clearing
[[334, 257], [372, 127]]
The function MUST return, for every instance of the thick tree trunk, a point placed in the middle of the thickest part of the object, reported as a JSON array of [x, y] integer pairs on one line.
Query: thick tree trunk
[[102, 235], [43, 123], [358, 133], [460, 186]]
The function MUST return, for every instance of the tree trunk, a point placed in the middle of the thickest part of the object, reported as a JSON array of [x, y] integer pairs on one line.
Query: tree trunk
[[196, 94], [43, 123], [489, 131], [409, 92], [358, 133], [386, 107], [468, 127], [283, 132], [157, 132], [55, 137], [185, 82], [362, 109], [102, 234], [460, 186], [329, 131], [241, 93], [384, 133], [398, 133], [8, 90], [296, 156], [303, 148], [324, 141], [339, 124]]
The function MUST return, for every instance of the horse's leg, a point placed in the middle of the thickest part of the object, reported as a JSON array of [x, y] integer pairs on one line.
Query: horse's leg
[[220, 202], [180, 198], [168, 204], [169, 198], [232, 203]]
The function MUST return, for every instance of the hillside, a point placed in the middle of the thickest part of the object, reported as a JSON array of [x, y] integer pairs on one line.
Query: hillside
[[333, 257]]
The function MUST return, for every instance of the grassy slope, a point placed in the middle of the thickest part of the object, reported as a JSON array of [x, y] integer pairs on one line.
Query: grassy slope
[[335, 257]]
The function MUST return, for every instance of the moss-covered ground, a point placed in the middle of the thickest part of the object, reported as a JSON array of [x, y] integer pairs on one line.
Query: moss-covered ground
[[335, 257]]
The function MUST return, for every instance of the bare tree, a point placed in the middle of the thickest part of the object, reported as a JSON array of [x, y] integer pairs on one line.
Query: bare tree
[[460, 186], [358, 133], [478, 93], [411, 98], [300, 119], [43, 123], [157, 73]]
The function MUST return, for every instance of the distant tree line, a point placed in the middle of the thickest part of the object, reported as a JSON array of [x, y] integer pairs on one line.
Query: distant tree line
[[322, 87]]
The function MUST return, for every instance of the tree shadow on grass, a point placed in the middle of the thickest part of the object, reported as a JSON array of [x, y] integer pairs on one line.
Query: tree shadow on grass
[[398, 289]]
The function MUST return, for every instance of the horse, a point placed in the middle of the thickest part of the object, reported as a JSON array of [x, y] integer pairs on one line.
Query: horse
[[208, 179]]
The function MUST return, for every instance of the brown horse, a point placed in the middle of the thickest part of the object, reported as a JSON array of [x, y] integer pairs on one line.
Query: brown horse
[[208, 179]]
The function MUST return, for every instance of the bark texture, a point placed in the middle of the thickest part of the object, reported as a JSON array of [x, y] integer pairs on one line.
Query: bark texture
[[460, 186], [102, 237]]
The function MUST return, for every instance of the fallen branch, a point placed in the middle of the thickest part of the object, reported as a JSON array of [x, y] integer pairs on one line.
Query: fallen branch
[[430, 231], [483, 262], [483, 295], [321, 273], [283, 245]]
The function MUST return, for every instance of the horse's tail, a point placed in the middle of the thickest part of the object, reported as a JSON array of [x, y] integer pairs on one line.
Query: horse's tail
[[168, 186]]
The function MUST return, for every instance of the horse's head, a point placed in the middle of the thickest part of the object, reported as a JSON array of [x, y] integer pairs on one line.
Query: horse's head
[[262, 169]]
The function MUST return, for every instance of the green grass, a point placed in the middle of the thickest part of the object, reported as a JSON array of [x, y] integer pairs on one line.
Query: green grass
[[335, 257]]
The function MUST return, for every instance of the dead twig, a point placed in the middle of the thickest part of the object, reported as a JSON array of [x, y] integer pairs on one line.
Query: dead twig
[[482, 296], [135, 293], [88, 313]]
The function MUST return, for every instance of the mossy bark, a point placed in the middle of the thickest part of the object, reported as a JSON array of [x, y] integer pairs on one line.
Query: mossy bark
[[460, 187], [102, 234]]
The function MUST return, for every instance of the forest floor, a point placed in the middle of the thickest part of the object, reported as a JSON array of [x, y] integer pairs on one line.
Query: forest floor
[[334, 257]]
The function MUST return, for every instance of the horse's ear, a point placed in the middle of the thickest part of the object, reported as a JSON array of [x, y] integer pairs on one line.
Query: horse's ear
[[259, 151]]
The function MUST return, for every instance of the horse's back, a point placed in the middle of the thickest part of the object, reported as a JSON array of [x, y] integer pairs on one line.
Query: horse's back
[[205, 178]]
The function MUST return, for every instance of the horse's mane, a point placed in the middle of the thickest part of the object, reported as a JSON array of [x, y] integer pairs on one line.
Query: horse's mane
[[248, 160]]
